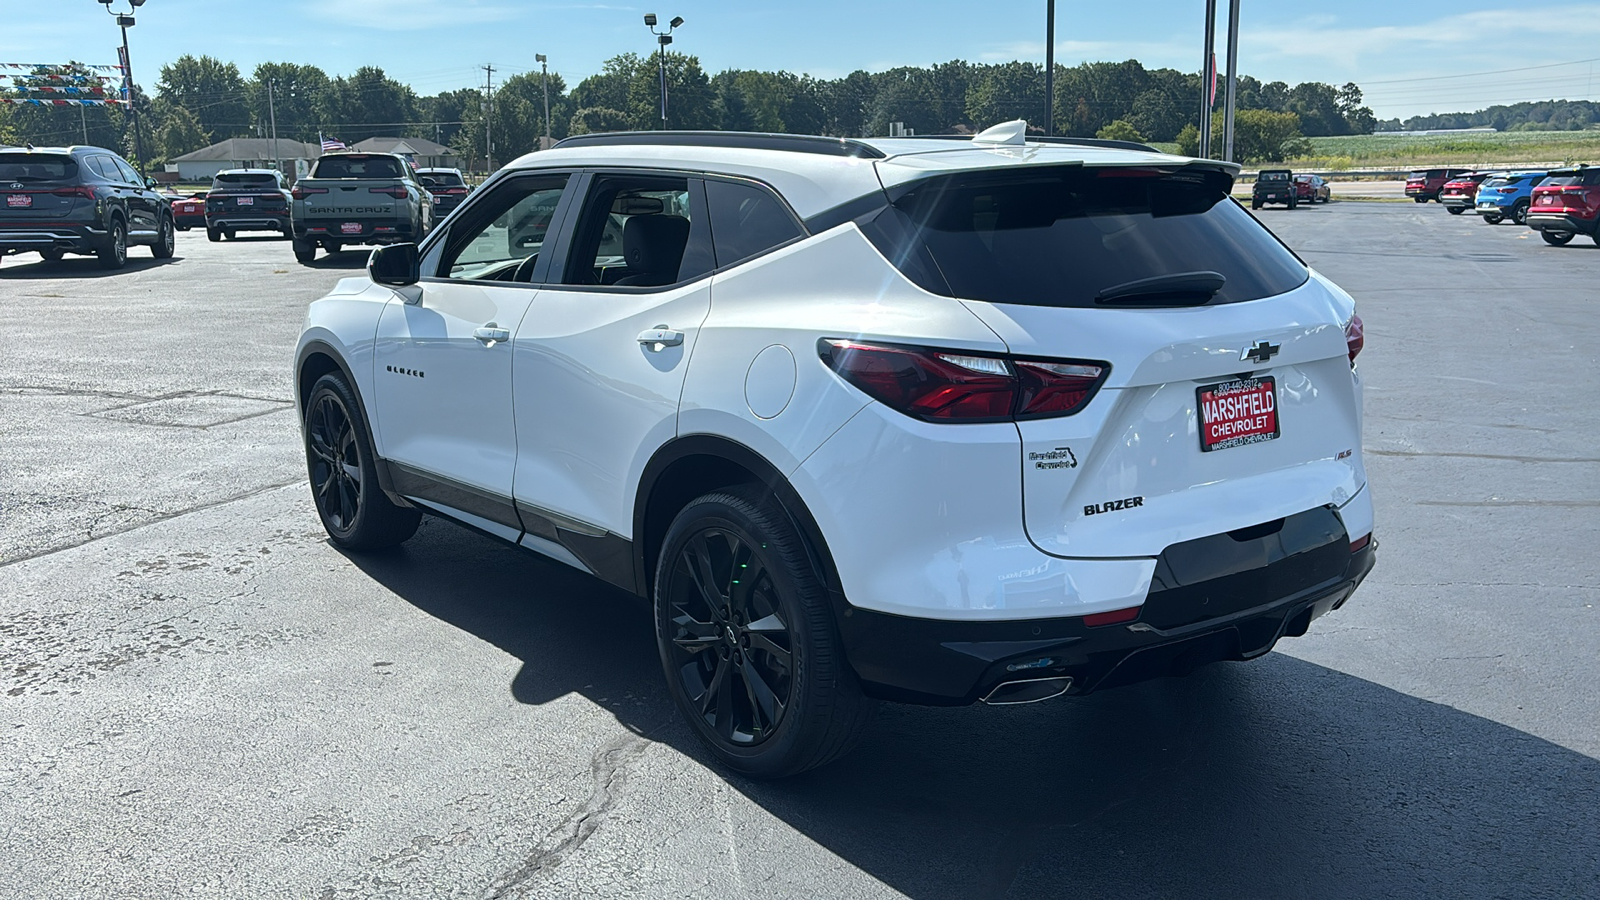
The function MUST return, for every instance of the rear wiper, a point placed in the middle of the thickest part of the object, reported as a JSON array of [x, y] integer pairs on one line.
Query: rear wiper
[[1177, 289]]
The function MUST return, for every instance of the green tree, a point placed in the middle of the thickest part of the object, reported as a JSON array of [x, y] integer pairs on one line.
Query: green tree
[[367, 104], [1189, 140], [598, 119], [1260, 135], [106, 125], [609, 89], [1008, 91], [1120, 130], [297, 98], [213, 90], [180, 132], [691, 103]]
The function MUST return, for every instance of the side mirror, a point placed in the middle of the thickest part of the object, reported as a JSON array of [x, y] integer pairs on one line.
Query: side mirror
[[151, 182], [396, 265]]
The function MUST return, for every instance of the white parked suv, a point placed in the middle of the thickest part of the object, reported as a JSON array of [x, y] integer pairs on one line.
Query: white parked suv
[[914, 419]]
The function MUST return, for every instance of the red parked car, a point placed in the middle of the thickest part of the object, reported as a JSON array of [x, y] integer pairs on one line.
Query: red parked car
[[1461, 193], [189, 212], [1567, 204], [1425, 184], [1312, 189]]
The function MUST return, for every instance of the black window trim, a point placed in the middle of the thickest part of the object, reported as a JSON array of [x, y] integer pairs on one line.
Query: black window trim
[[577, 184]]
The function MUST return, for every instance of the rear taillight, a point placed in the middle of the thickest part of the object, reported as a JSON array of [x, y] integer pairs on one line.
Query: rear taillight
[[300, 193], [1355, 337], [1508, 190], [83, 191], [398, 192], [951, 386]]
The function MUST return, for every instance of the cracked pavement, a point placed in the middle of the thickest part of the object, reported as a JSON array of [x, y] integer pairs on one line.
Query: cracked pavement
[[199, 696]]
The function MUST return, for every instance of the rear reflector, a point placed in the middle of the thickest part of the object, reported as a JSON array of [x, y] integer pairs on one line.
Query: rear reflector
[[1360, 543], [1112, 618], [1355, 337]]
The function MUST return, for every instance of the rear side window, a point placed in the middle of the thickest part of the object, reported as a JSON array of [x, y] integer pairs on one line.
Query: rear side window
[[242, 179], [746, 220], [357, 167], [1063, 236], [30, 168]]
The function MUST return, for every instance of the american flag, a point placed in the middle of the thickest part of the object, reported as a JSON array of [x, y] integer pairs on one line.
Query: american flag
[[330, 144]]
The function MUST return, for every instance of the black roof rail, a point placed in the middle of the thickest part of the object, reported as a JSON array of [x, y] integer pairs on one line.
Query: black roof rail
[[792, 143], [1032, 139]]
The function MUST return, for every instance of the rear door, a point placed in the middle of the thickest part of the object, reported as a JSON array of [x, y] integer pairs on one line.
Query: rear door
[[443, 367]]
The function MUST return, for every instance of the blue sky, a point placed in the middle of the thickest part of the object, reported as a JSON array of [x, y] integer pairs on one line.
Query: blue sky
[[1411, 56]]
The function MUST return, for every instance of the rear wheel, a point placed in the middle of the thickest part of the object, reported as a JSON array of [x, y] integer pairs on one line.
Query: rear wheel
[[231, 235], [1255, 204], [344, 476], [114, 255], [166, 241], [1456, 210], [304, 252], [52, 255], [1293, 203], [1519, 213], [1420, 199], [1556, 238], [213, 235], [747, 639], [1494, 218]]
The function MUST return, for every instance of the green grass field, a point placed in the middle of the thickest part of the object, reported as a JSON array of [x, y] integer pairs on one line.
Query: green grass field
[[1364, 151]]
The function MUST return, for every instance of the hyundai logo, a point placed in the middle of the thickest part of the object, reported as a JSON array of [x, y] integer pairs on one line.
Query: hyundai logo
[[16, 185], [1261, 352]]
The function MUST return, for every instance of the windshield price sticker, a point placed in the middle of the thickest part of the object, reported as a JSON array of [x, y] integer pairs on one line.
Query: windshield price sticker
[[1239, 412]]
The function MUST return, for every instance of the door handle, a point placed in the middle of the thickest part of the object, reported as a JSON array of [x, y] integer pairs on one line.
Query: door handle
[[660, 336], [491, 334]]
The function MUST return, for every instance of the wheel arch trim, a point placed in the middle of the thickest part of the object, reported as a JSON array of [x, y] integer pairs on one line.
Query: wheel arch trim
[[319, 347]]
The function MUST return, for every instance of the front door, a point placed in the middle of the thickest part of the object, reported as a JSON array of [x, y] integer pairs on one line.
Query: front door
[[601, 356], [443, 360]]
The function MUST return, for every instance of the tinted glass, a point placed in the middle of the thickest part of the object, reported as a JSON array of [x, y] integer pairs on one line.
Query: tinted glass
[[36, 167], [242, 179], [1273, 176], [1492, 183], [746, 220], [1060, 236], [129, 176], [639, 232], [442, 179], [1559, 180], [505, 230], [357, 167]]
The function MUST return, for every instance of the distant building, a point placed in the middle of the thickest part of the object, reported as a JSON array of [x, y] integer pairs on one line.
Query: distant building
[[423, 153], [241, 153]]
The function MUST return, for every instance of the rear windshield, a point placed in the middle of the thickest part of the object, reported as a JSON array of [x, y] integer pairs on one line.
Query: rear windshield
[[1585, 178], [34, 167], [1495, 182], [1273, 176], [1062, 236], [357, 167], [240, 179], [441, 179]]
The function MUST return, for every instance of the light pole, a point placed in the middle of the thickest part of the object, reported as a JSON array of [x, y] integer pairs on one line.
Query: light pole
[[125, 20], [1050, 68], [544, 77], [663, 38]]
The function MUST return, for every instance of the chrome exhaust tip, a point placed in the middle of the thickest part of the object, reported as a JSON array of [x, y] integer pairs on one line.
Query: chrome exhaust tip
[[1027, 690]]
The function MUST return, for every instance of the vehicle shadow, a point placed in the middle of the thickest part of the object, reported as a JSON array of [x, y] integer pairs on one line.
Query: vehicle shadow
[[344, 259], [77, 267], [1277, 778]]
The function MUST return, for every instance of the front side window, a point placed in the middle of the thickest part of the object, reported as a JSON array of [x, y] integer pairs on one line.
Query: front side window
[[128, 174], [500, 237], [639, 231], [746, 220]]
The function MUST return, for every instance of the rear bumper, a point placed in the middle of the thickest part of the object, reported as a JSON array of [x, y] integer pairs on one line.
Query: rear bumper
[[1544, 221], [1236, 613], [249, 222], [189, 220], [72, 238], [1457, 200], [373, 231]]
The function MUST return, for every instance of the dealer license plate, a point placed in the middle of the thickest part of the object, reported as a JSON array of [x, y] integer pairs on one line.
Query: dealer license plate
[[1238, 412], [19, 201], [350, 228], [246, 201]]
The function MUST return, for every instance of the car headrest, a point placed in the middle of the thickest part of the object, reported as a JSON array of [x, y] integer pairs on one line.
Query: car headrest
[[654, 244]]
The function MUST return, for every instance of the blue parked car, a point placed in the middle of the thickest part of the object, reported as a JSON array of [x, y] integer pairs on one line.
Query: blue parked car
[[1507, 196]]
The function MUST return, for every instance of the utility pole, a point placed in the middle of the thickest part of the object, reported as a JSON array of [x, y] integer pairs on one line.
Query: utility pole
[[1207, 72], [544, 74], [133, 98], [84, 121], [1050, 68], [1233, 80], [488, 119], [272, 113]]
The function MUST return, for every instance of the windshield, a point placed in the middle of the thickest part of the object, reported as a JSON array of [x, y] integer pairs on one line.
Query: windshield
[[442, 179], [1062, 236], [357, 167], [28, 168], [242, 179]]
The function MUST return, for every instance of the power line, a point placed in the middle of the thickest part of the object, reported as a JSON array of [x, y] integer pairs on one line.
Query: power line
[[1493, 72]]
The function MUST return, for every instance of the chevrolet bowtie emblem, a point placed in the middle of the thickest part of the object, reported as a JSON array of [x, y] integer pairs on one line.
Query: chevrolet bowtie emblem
[[1260, 353]]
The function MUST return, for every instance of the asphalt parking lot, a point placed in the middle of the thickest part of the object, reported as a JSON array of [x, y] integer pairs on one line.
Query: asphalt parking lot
[[199, 696]]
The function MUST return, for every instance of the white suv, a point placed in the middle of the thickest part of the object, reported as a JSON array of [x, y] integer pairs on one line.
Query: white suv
[[924, 420]]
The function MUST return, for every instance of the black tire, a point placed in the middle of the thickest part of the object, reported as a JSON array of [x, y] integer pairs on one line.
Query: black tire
[[1293, 203], [1494, 218], [1557, 238], [114, 255], [305, 252], [1255, 204], [356, 513], [53, 254], [1456, 210], [231, 235], [333, 247], [213, 235], [739, 603], [166, 240], [1519, 213], [1420, 199]]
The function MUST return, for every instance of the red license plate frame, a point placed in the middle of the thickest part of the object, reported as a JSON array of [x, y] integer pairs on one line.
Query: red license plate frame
[[1237, 412], [19, 201], [350, 228]]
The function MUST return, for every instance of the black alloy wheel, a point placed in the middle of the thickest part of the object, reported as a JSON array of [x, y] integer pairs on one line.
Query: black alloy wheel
[[1557, 238], [166, 240], [344, 485], [747, 639], [114, 255], [1519, 213]]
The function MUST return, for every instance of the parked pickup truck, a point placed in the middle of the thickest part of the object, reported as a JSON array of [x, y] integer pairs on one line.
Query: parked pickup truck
[[359, 198]]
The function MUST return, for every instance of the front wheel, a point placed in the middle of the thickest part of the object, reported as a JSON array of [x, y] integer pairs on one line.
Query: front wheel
[[344, 476], [304, 252], [1556, 238], [747, 639], [1519, 213], [114, 255], [166, 241]]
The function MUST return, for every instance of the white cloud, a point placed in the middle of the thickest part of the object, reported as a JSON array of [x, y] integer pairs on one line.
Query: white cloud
[[1511, 29]]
